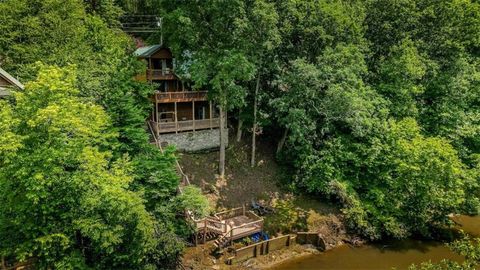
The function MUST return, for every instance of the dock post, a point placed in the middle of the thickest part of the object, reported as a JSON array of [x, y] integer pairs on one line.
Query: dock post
[[176, 118], [210, 113]]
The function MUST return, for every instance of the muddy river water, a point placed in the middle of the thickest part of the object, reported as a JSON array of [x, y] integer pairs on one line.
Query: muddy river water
[[398, 254]]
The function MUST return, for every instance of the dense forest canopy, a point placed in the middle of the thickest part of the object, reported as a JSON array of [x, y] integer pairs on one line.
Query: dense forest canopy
[[375, 105], [377, 100]]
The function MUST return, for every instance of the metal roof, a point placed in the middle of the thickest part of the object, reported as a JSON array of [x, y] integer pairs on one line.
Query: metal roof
[[147, 51], [10, 79]]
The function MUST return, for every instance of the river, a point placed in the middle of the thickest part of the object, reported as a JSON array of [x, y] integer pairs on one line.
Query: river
[[398, 254]]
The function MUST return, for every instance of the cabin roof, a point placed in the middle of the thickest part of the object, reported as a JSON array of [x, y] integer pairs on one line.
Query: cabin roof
[[147, 51], [10, 79]]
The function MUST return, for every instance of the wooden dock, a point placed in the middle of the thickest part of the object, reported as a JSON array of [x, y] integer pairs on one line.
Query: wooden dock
[[227, 226]]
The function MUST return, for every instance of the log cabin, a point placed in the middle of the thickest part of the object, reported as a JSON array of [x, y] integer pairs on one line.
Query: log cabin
[[177, 108], [8, 82]]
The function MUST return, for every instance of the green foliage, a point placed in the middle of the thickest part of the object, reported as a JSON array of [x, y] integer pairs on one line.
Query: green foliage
[[286, 218], [222, 72], [396, 184], [307, 27], [467, 247], [379, 101], [192, 199], [217, 46], [84, 33], [62, 195], [400, 76], [382, 117]]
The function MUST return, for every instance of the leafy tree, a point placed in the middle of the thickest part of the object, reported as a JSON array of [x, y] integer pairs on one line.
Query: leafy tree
[[263, 32], [436, 79], [192, 199], [400, 77], [65, 202], [382, 171], [398, 184], [214, 41], [59, 33], [308, 27], [106, 9]]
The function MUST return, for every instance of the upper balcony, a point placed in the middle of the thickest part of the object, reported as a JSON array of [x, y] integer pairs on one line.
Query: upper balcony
[[160, 74], [184, 96]]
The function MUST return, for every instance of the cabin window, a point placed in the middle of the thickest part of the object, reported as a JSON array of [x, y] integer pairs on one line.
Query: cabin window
[[169, 63], [201, 112], [164, 64], [156, 64]]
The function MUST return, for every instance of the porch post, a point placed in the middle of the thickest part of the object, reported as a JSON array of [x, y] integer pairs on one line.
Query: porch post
[[193, 114], [176, 118], [211, 113]]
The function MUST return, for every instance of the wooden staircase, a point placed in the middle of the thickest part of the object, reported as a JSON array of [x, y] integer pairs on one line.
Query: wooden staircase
[[221, 242], [209, 236]]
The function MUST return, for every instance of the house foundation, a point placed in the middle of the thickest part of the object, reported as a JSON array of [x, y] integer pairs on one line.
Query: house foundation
[[201, 140]]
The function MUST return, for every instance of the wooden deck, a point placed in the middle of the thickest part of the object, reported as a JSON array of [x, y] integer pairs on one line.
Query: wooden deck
[[183, 96], [160, 74], [225, 227], [188, 125]]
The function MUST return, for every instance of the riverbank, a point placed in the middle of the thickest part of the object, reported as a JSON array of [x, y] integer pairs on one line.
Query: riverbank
[[200, 258], [328, 226], [243, 184], [387, 255]]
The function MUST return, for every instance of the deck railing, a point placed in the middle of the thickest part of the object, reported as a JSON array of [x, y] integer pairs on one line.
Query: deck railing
[[211, 224], [168, 127], [160, 74], [183, 96], [235, 212], [240, 231]]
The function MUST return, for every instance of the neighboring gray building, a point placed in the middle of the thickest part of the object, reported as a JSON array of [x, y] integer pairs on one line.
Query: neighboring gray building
[[7, 82]]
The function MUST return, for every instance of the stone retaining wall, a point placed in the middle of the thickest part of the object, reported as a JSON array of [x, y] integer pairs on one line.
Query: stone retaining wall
[[194, 141]]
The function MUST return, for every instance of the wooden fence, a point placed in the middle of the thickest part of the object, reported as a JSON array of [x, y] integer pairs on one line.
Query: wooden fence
[[264, 247], [261, 248]]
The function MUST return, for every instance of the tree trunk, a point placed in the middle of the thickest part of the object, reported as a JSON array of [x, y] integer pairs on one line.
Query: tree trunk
[[254, 129], [282, 141], [239, 128], [221, 163]]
